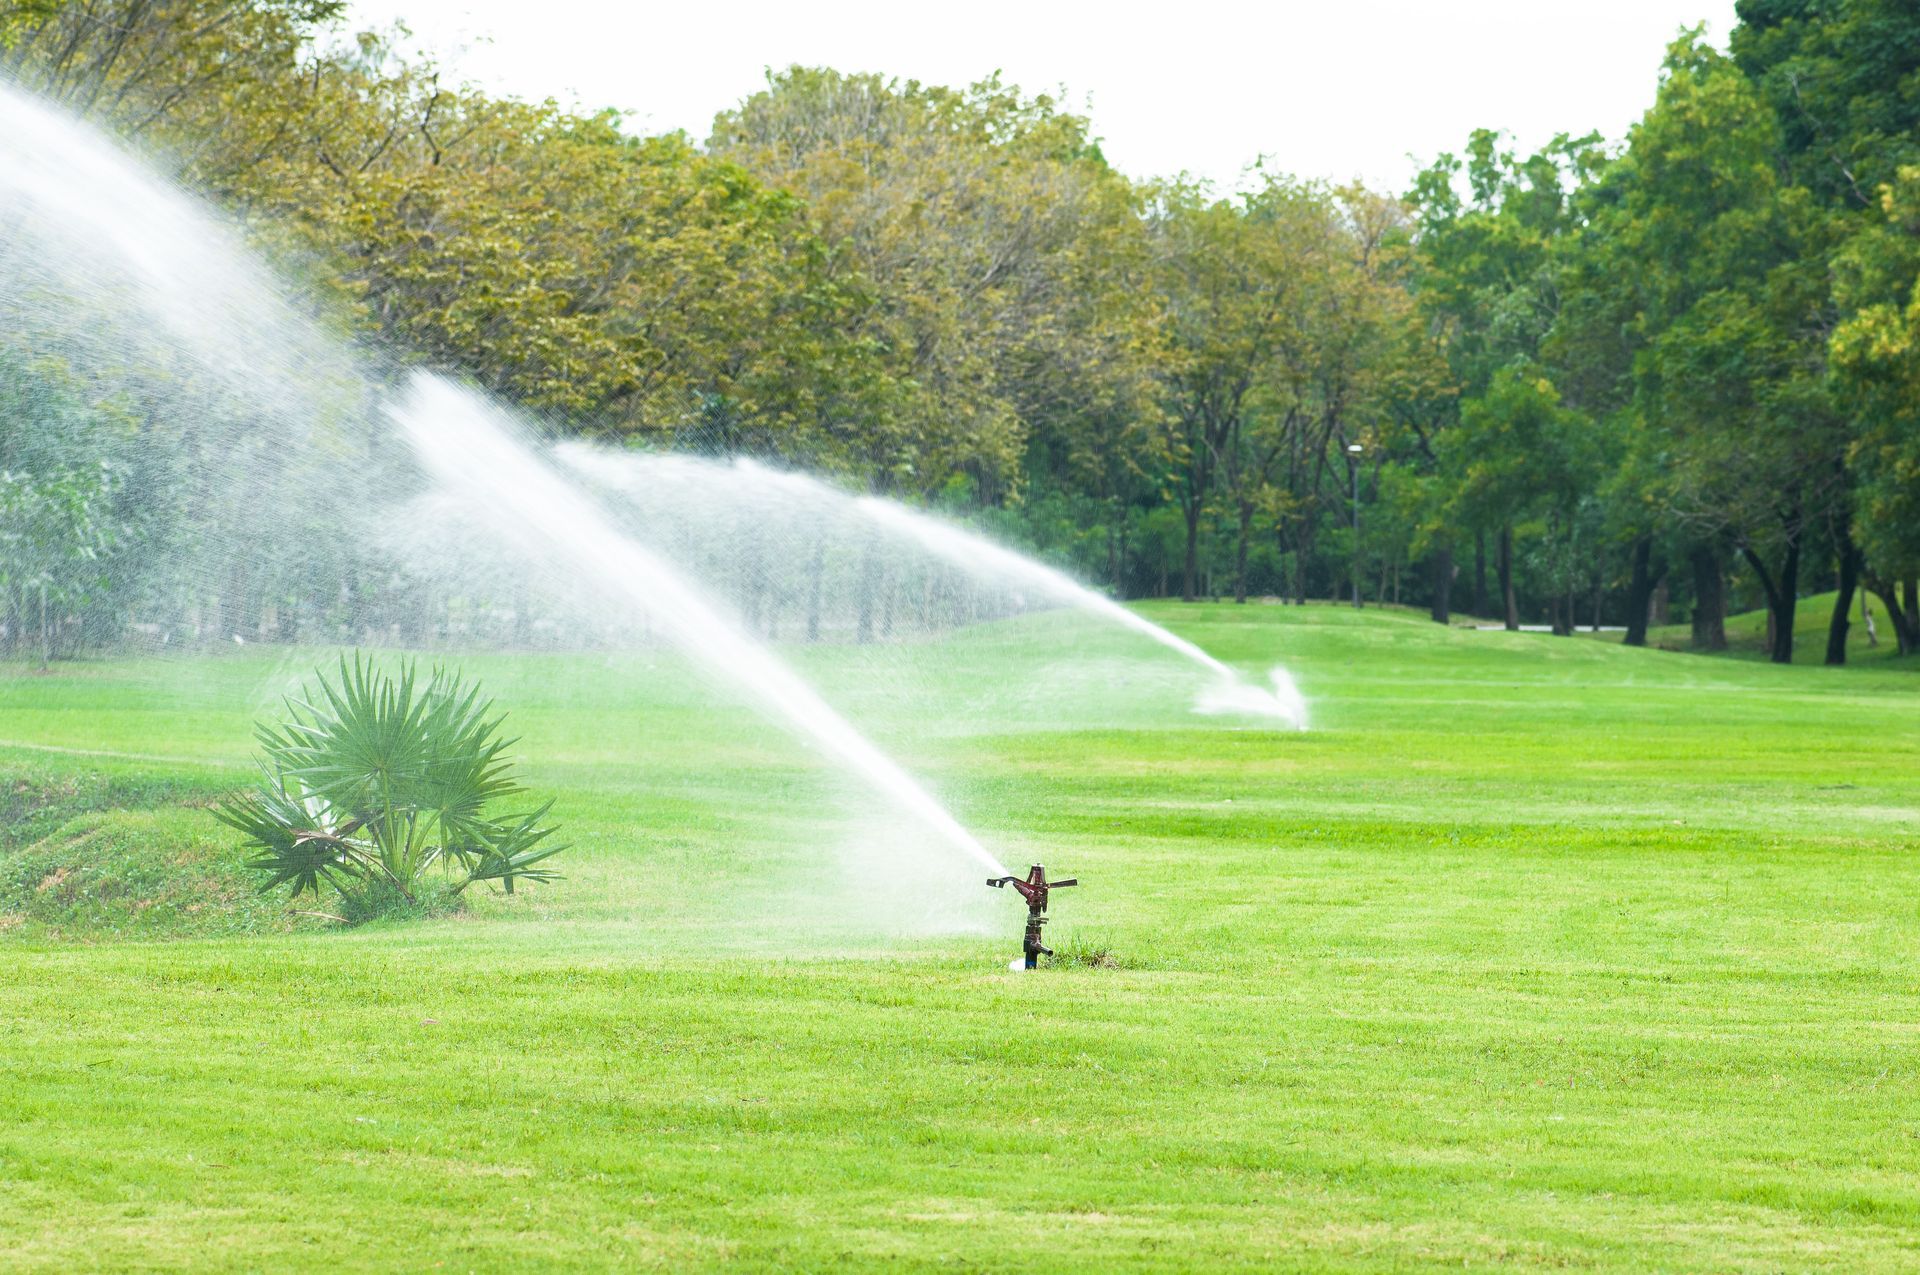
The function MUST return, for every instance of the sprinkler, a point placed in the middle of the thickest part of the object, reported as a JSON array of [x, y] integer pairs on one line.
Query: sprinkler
[[1034, 891]]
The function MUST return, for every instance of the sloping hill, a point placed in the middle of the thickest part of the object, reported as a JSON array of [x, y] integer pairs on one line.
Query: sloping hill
[[1747, 635]]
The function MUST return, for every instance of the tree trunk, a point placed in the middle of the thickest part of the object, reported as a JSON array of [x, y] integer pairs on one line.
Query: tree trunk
[[1240, 554], [1789, 602], [1709, 600], [1190, 572], [1904, 635], [816, 570], [1302, 551], [1509, 604], [1443, 585], [1781, 599], [863, 625], [1843, 601], [1910, 596], [1640, 592], [1479, 573]]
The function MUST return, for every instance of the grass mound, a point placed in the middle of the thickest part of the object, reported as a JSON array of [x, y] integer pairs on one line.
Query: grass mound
[[159, 873], [87, 856], [1747, 635], [35, 801]]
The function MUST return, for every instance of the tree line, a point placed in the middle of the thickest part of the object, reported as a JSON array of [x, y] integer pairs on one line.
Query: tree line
[[1672, 375]]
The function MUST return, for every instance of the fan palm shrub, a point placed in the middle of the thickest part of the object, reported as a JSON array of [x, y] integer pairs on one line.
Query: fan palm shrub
[[376, 778]]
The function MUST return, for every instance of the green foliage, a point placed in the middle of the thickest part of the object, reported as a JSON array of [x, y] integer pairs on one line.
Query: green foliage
[[1294, 338], [67, 514], [1840, 78], [1485, 270], [1000, 262], [949, 294], [374, 778], [1876, 356], [163, 66], [54, 531], [1516, 449]]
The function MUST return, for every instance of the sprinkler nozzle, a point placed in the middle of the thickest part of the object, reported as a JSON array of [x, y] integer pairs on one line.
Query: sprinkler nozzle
[[1034, 890]]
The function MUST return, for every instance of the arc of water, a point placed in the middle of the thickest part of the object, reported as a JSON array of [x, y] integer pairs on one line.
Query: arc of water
[[97, 246], [470, 447], [1229, 693]]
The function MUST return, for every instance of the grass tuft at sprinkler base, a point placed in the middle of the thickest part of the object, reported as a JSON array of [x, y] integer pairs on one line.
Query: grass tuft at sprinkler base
[[1034, 890]]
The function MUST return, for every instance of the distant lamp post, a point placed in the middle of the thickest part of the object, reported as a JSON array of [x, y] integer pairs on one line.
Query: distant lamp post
[[1354, 451]]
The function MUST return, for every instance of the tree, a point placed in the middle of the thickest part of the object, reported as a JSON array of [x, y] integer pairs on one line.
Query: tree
[[1839, 77], [54, 530], [1518, 455], [1275, 308], [1876, 357], [1719, 273], [186, 69], [1486, 273], [997, 253]]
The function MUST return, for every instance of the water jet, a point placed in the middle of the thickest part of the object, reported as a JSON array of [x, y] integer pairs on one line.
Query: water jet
[[668, 496], [127, 278]]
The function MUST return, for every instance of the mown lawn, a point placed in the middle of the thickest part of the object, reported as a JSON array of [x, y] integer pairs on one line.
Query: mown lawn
[[1534, 952]]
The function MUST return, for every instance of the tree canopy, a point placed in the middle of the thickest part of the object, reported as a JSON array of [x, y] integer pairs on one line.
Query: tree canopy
[[1672, 374]]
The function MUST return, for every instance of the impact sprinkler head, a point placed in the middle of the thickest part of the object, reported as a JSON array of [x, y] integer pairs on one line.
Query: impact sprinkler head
[[1034, 890]]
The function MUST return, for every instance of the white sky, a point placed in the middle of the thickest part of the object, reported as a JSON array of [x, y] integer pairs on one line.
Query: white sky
[[1337, 89]]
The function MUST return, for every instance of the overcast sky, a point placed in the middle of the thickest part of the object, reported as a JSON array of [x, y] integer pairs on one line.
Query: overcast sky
[[1337, 89]]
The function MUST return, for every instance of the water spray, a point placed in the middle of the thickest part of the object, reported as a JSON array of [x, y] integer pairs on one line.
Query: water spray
[[476, 450], [676, 492], [1034, 890]]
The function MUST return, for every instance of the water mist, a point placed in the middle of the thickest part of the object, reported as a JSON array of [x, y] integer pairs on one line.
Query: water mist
[[111, 267], [301, 469], [673, 496], [468, 445]]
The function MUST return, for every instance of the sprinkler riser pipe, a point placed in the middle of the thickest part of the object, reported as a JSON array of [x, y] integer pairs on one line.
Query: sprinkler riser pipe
[[1034, 889]]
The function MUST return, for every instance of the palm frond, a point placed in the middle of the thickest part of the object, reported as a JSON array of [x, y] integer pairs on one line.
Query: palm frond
[[377, 776], [511, 851]]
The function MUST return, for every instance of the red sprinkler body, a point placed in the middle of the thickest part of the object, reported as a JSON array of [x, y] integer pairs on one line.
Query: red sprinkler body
[[1034, 891]]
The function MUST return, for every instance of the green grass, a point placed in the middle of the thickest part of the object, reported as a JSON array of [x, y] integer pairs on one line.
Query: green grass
[[1747, 634], [133, 874], [1533, 952]]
